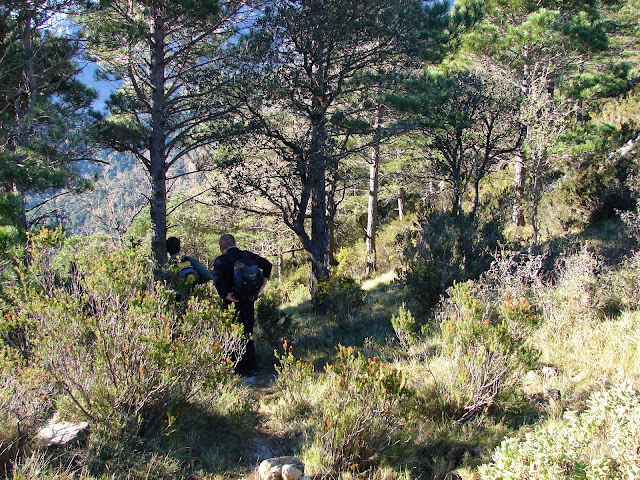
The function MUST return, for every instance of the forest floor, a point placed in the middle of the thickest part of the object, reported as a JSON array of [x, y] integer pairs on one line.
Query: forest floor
[[264, 442]]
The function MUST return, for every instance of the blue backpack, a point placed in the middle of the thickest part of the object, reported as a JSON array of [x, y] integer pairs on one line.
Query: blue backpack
[[247, 279]]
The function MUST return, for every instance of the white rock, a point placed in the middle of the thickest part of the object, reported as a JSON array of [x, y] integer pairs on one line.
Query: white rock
[[275, 473], [62, 433], [271, 468], [579, 377], [290, 472]]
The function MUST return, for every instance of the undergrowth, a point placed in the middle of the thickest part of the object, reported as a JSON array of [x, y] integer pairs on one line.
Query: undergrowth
[[531, 366]]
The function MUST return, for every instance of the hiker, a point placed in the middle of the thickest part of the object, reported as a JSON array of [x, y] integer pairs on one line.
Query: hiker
[[188, 270], [239, 277]]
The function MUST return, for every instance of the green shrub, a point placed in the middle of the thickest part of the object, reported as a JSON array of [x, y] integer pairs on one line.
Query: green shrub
[[621, 290], [360, 422], [294, 379], [581, 292], [350, 261], [339, 296], [44, 466], [274, 322], [405, 327], [294, 285], [352, 417], [113, 347], [600, 443], [446, 249], [598, 190], [488, 342]]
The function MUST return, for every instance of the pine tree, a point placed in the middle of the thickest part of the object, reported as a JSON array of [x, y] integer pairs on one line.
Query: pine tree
[[469, 122], [45, 112], [535, 44], [175, 76], [310, 58]]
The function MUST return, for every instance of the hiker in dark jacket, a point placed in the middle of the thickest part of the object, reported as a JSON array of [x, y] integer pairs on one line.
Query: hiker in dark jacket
[[223, 279]]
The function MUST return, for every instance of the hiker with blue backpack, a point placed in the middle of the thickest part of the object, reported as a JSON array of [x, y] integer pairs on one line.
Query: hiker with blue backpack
[[239, 277]]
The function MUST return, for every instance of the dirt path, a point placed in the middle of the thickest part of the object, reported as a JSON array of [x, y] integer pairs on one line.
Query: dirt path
[[263, 442]]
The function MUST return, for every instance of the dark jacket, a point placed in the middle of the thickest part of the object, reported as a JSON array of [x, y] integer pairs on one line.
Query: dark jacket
[[223, 268]]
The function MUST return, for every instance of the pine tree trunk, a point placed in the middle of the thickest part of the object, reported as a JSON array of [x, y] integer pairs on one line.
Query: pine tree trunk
[[318, 246], [518, 180], [26, 110], [476, 198], [401, 199], [518, 215], [579, 103], [372, 208], [157, 152]]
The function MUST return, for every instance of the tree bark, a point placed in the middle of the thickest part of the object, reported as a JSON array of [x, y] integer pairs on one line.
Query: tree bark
[[518, 216], [579, 103], [157, 152], [372, 208], [518, 180], [401, 207], [26, 110], [320, 232], [476, 198]]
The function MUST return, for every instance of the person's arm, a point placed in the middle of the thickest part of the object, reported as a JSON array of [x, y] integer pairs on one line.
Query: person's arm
[[204, 275], [264, 282], [266, 266]]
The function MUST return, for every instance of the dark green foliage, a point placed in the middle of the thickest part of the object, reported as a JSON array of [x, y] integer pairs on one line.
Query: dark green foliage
[[274, 322], [469, 121], [442, 28], [598, 187], [45, 113], [446, 249], [340, 296]]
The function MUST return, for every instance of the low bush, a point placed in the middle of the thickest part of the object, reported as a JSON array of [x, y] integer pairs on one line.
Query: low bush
[[361, 424], [355, 412], [488, 341], [339, 296], [110, 346], [579, 290], [274, 322], [600, 443], [404, 325], [620, 287], [446, 249], [295, 379], [23, 408]]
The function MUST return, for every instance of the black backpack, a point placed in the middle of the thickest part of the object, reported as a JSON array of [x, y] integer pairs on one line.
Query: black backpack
[[247, 279]]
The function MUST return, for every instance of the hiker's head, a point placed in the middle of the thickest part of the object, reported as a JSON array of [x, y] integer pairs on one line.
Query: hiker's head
[[173, 245], [226, 241]]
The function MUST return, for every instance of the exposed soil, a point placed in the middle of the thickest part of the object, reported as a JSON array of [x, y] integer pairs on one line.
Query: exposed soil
[[264, 442]]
